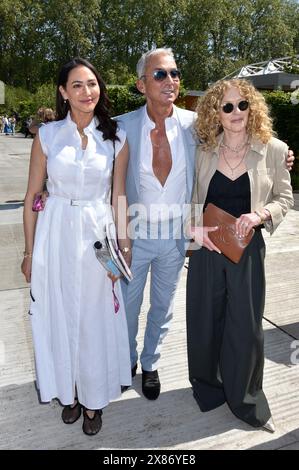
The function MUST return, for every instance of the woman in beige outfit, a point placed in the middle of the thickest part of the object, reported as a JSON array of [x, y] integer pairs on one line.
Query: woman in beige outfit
[[241, 169]]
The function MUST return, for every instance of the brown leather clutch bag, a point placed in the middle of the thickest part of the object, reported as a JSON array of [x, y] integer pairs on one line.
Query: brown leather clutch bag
[[225, 238]]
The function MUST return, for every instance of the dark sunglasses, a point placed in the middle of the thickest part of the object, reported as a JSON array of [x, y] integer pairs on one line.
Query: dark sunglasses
[[229, 107], [161, 74]]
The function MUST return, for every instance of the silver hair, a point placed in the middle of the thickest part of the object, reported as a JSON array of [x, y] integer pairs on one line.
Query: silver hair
[[142, 62]]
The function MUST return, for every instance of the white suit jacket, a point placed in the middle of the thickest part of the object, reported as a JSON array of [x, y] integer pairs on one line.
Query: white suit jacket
[[132, 124]]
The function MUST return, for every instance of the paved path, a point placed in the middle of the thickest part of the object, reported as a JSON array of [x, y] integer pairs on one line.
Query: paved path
[[174, 421]]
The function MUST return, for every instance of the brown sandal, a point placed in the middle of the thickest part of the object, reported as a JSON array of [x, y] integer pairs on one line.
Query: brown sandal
[[70, 414], [92, 426]]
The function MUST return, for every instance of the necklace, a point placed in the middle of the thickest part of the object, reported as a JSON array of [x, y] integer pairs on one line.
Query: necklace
[[155, 145], [162, 144], [235, 149], [233, 168], [81, 132]]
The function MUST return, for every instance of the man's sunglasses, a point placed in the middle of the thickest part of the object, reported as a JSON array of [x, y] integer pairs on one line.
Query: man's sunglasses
[[161, 74], [229, 107]]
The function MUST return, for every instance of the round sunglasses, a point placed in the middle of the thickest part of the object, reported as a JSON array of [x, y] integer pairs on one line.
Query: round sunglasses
[[229, 107], [161, 74]]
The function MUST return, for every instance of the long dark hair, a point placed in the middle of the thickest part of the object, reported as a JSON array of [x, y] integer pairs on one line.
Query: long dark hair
[[107, 125]]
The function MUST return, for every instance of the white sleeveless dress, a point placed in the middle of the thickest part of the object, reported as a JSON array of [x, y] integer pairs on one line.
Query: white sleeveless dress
[[79, 340]]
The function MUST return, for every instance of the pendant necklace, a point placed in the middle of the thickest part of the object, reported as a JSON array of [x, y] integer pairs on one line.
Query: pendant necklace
[[81, 133], [233, 168]]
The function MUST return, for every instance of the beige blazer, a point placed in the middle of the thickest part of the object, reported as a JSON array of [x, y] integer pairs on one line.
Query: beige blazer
[[270, 182]]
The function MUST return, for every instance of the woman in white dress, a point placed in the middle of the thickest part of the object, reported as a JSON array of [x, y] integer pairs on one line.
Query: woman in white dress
[[80, 336]]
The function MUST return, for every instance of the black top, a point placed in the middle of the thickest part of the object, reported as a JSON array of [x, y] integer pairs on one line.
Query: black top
[[233, 196]]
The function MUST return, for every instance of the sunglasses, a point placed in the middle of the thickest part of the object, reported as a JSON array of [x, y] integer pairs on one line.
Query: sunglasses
[[161, 74], [229, 107]]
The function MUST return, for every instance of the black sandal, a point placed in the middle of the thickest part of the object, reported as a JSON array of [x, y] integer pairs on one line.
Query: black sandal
[[70, 414], [92, 426]]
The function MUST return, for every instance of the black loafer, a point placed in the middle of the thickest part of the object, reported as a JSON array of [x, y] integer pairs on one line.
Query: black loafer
[[124, 388], [151, 384]]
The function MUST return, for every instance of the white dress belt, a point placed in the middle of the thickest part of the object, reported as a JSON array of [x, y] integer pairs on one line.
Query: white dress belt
[[78, 202]]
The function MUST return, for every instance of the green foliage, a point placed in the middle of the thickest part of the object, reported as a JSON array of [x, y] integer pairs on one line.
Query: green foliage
[[26, 103], [45, 95], [13, 98], [210, 38], [285, 116], [118, 75], [26, 109], [293, 67], [124, 99]]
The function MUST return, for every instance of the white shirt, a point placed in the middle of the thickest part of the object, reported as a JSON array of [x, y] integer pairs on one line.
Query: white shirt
[[89, 170], [162, 203]]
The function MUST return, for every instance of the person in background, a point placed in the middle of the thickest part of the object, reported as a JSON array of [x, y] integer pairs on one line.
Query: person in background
[[1, 124], [77, 313], [240, 167], [26, 126], [43, 116], [6, 123], [13, 125]]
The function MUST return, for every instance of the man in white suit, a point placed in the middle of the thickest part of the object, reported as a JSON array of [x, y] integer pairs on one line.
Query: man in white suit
[[159, 180]]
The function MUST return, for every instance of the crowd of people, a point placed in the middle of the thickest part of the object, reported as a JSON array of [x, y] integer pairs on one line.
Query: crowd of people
[[150, 164], [8, 124], [30, 125]]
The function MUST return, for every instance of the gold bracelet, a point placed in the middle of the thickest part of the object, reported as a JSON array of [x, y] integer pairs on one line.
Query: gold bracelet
[[27, 255], [260, 216]]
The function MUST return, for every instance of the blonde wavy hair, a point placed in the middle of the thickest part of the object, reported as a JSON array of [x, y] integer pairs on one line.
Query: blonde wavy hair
[[208, 126]]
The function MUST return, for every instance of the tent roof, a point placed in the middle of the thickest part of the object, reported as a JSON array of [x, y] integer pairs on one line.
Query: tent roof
[[269, 74]]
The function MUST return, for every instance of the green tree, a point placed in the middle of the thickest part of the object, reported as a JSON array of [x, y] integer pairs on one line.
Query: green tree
[[13, 98], [259, 24], [210, 38], [69, 28], [45, 96], [20, 44], [127, 28]]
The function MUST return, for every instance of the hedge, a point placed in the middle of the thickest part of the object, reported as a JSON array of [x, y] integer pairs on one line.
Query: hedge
[[126, 98], [123, 99], [285, 116]]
